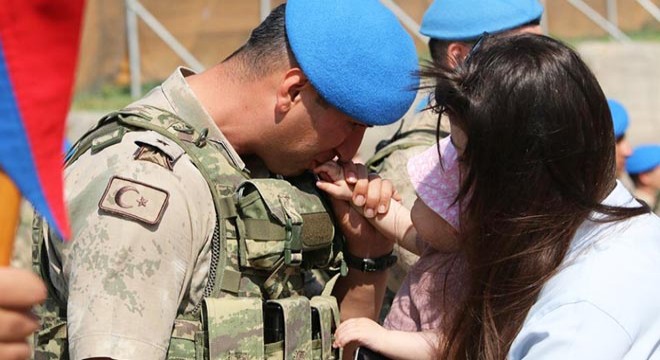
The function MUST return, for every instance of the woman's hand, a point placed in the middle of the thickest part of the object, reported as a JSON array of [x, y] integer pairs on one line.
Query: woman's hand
[[19, 291]]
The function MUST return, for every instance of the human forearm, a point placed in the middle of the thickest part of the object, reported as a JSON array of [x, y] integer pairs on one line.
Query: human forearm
[[397, 226], [403, 345], [360, 294]]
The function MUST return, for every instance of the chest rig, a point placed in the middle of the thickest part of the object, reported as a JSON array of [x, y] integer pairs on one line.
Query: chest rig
[[270, 235]]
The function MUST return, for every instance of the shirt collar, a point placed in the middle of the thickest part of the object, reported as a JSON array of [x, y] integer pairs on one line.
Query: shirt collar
[[620, 196], [592, 230], [186, 105]]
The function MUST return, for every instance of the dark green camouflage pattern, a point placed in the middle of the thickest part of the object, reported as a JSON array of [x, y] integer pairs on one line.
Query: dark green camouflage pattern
[[297, 327], [51, 338], [232, 323], [277, 217], [187, 336], [235, 328], [328, 311]]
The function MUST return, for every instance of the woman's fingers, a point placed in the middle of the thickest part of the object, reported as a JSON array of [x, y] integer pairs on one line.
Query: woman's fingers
[[16, 325], [20, 289], [14, 351]]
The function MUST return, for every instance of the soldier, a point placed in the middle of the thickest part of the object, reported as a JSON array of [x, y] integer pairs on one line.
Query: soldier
[[453, 26], [181, 224], [620, 121], [643, 167]]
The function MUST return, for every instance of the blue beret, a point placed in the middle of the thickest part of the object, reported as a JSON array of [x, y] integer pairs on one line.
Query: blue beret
[[357, 56], [468, 19], [619, 117], [644, 158]]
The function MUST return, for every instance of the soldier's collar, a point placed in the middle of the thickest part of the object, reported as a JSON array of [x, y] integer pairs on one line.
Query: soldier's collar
[[187, 106]]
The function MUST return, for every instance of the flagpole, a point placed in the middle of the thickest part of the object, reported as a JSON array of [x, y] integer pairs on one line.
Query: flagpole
[[10, 201]]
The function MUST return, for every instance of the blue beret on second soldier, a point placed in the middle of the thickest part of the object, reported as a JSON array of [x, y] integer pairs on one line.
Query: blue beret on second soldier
[[357, 56], [644, 158], [468, 19], [619, 117]]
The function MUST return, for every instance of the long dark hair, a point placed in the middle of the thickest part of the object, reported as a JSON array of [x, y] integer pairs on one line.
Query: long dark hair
[[539, 160]]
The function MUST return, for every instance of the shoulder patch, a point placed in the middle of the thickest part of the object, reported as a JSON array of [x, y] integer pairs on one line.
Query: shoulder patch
[[162, 143], [134, 200]]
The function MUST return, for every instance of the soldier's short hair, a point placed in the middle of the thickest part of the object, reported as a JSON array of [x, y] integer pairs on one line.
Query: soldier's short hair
[[267, 49], [438, 47]]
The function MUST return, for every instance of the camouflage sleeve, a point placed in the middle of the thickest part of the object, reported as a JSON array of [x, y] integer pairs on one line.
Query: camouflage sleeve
[[138, 230]]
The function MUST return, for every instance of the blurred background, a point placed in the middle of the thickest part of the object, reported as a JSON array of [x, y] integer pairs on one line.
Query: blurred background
[[130, 46]]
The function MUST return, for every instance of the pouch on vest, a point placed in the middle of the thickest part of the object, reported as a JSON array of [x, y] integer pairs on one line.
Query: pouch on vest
[[325, 318], [187, 341], [235, 328], [279, 222], [51, 341], [290, 320]]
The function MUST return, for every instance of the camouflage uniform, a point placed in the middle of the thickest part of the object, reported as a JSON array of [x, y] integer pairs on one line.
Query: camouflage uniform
[[416, 134], [651, 201], [144, 220]]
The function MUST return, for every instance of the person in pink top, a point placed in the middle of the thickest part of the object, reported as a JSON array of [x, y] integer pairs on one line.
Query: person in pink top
[[436, 182], [429, 230]]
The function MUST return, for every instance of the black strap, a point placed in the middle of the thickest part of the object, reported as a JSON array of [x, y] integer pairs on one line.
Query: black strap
[[370, 264]]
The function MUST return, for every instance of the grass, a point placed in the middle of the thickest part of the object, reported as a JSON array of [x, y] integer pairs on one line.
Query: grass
[[647, 35], [109, 97]]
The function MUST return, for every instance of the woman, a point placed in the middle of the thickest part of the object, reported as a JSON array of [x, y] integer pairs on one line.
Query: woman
[[563, 263]]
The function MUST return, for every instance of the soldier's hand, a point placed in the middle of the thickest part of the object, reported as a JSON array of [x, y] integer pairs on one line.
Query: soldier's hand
[[19, 291], [362, 239]]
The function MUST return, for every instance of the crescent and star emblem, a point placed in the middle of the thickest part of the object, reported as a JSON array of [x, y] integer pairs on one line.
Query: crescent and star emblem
[[134, 200], [123, 190]]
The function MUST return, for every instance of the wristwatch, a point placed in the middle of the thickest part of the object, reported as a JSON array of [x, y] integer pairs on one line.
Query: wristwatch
[[370, 264]]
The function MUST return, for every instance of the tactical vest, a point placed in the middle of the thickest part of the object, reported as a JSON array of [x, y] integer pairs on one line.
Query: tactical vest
[[268, 234], [402, 140]]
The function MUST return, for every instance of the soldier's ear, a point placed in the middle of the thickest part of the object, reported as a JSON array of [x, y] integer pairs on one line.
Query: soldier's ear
[[645, 178], [456, 53], [288, 92]]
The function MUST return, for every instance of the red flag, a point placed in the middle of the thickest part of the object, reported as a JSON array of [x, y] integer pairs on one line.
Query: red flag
[[39, 41]]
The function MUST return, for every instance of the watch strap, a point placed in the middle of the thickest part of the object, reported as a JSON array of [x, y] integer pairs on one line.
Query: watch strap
[[370, 264]]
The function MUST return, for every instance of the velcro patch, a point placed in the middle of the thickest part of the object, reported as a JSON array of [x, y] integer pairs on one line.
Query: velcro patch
[[134, 200], [165, 145]]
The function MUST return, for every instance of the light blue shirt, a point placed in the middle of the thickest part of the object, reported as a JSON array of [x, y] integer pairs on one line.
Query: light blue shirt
[[604, 303]]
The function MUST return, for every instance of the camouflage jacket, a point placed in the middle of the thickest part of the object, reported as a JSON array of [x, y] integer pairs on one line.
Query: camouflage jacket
[[243, 290]]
